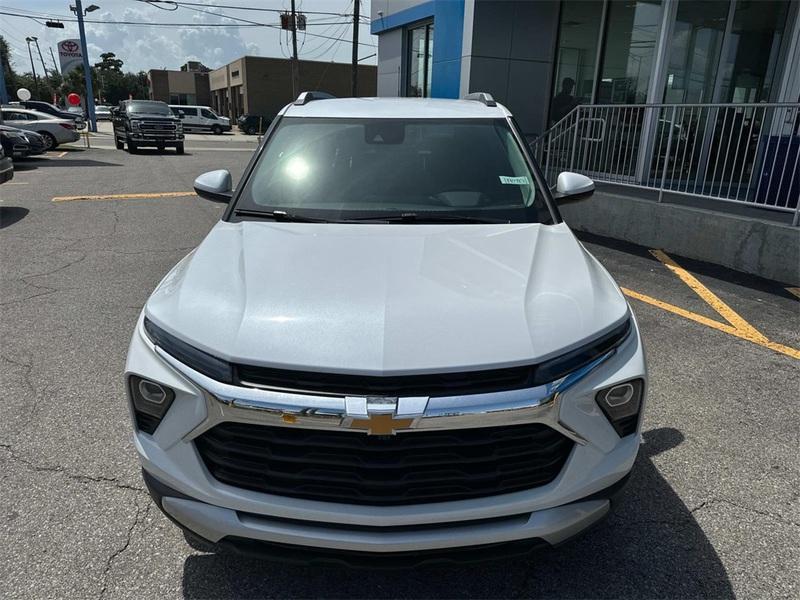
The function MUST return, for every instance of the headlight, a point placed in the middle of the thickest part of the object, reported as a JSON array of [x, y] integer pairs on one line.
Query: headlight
[[179, 127], [135, 124], [151, 401], [192, 357], [621, 404]]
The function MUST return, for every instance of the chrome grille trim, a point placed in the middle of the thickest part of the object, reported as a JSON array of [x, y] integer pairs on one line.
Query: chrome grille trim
[[269, 407]]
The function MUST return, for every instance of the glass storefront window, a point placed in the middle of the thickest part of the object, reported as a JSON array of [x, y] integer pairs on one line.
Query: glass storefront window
[[751, 55], [419, 60], [694, 50], [630, 43], [578, 34]]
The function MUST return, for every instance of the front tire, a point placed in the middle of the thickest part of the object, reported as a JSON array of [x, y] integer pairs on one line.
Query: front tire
[[119, 144], [179, 149], [49, 140], [250, 130], [216, 130], [132, 148]]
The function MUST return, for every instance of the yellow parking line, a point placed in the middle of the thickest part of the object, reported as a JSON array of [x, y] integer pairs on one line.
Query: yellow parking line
[[122, 196], [730, 315], [724, 327], [62, 155], [793, 290]]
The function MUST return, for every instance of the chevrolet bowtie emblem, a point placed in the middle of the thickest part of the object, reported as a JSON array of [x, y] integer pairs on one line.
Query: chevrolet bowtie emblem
[[381, 424]]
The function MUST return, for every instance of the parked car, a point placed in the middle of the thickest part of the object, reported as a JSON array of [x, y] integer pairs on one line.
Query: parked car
[[139, 123], [391, 346], [54, 131], [15, 142], [6, 166], [38, 145], [253, 124], [102, 113], [201, 118], [54, 111]]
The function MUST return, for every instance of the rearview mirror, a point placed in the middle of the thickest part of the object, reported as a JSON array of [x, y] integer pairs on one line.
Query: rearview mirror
[[572, 187], [214, 185]]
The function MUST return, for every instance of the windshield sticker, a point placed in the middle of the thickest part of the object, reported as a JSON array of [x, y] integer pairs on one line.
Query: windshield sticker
[[514, 180]]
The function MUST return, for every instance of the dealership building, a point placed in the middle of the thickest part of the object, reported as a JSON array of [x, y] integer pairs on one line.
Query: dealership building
[[189, 85], [686, 113], [262, 86], [607, 52]]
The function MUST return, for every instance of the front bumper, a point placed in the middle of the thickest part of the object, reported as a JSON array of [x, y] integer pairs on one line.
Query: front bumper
[[6, 169], [549, 514]]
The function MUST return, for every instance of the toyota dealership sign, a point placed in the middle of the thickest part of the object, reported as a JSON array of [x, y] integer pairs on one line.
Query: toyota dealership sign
[[69, 55]]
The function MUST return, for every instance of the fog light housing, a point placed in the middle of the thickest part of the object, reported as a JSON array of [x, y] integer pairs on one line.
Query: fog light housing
[[621, 404], [151, 401]]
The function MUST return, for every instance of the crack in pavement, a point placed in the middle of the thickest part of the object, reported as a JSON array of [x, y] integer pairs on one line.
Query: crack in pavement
[[138, 518], [79, 477]]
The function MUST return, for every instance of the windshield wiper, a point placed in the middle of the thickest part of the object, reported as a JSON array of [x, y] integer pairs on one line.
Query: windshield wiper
[[277, 215], [412, 217]]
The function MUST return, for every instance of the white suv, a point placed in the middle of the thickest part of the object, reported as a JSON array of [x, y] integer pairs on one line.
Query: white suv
[[390, 348]]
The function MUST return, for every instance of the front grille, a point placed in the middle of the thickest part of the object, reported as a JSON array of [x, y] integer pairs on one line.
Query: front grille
[[432, 385], [157, 126], [408, 468]]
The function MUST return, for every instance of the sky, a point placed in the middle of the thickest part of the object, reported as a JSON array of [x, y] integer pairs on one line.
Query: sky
[[152, 47]]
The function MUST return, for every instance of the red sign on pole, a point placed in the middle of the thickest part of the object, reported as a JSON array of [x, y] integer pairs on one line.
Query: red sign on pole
[[74, 99]]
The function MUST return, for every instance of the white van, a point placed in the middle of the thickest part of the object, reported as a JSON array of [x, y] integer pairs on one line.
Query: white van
[[201, 118]]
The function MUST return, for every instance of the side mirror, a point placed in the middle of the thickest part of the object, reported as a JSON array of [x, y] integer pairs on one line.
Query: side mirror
[[214, 185], [572, 187]]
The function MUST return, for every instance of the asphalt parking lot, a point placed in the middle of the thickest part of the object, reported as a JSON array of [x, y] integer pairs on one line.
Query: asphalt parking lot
[[712, 510]]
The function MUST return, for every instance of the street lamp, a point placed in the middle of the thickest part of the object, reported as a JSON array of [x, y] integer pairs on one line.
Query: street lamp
[[33, 67], [80, 13]]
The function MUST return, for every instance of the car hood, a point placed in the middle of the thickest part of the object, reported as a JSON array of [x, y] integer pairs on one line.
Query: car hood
[[380, 299]]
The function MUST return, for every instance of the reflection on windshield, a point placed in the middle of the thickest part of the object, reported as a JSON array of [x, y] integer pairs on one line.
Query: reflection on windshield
[[154, 108], [342, 169]]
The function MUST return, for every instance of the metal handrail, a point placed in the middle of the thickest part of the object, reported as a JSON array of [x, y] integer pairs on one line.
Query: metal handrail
[[746, 153]]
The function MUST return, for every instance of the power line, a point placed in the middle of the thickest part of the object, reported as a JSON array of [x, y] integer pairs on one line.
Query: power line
[[228, 6], [174, 25]]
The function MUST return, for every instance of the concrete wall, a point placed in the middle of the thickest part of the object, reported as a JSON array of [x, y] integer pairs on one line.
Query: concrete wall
[[512, 54], [159, 85], [164, 82], [760, 247], [267, 83], [181, 82]]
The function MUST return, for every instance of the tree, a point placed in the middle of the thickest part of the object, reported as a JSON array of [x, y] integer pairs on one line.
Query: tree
[[5, 58], [109, 62], [74, 81]]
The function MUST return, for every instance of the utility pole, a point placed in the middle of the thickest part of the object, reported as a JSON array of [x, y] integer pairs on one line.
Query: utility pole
[[295, 65], [354, 72], [78, 10], [53, 58], [3, 90], [39, 50], [33, 68]]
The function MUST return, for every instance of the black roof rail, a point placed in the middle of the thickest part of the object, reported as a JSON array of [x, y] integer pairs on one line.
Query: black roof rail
[[484, 97], [306, 97]]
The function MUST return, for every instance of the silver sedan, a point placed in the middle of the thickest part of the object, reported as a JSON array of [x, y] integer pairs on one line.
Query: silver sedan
[[55, 131]]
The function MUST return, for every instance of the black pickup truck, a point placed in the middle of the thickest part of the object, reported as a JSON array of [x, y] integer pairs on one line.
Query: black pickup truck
[[150, 123]]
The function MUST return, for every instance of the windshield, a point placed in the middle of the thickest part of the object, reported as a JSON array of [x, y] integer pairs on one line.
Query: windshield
[[342, 169], [151, 108]]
